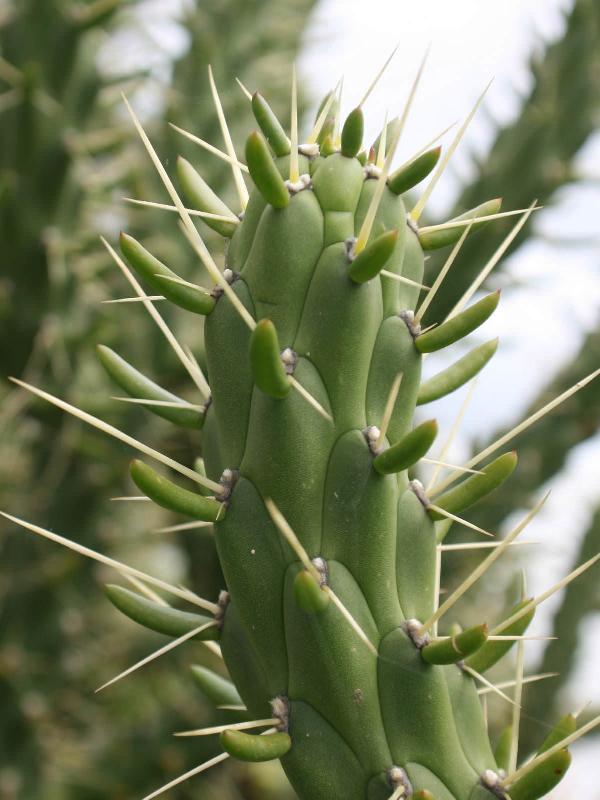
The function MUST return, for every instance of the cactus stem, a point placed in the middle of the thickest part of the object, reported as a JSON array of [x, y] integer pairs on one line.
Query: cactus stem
[[459, 223], [453, 433], [187, 775], [478, 677], [382, 144], [447, 465], [314, 134], [503, 247], [183, 526], [199, 380], [442, 274], [529, 679], [568, 740], [460, 520], [164, 403], [190, 229], [378, 77], [235, 168], [484, 566], [422, 202], [365, 231], [294, 170], [117, 434], [402, 279], [236, 726], [191, 211], [526, 423], [246, 91], [153, 298], [184, 594], [211, 148], [388, 411], [157, 653], [309, 398], [545, 595], [285, 529]]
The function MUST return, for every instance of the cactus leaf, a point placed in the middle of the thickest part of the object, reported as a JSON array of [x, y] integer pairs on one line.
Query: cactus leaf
[[474, 488], [457, 374], [370, 261], [409, 175], [493, 651], [163, 279], [169, 495], [503, 748], [270, 125], [408, 450], [565, 726], [456, 647], [352, 133], [158, 617], [138, 385], [203, 198], [308, 594], [264, 173], [249, 747], [265, 359], [442, 237], [543, 778], [216, 688], [459, 326]]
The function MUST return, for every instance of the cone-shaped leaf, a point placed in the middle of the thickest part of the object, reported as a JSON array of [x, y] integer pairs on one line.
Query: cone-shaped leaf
[[270, 125], [433, 240], [264, 173], [249, 747], [157, 275], [203, 198], [216, 688], [564, 727], [370, 261], [138, 385], [492, 652], [457, 374], [309, 595], [265, 359], [459, 326], [159, 618], [352, 133], [542, 779], [169, 495], [413, 173], [457, 647], [474, 488], [408, 450], [503, 748]]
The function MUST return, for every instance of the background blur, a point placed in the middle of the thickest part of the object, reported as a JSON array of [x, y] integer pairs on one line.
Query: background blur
[[69, 157]]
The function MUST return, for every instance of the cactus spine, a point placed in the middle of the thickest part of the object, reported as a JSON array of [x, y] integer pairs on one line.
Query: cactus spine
[[328, 624]]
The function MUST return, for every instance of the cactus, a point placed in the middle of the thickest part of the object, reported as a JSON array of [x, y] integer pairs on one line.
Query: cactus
[[328, 622]]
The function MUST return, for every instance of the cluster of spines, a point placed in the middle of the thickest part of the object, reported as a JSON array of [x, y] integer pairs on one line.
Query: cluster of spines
[[272, 371]]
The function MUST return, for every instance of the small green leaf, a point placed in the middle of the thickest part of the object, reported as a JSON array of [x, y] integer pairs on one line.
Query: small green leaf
[[408, 450], [565, 726], [216, 688], [203, 198], [503, 748], [474, 488], [370, 261], [352, 133], [159, 618], [308, 593], [249, 747], [169, 495], [459, 326], [433, 240], [542, 779], [457, 647], [270, 125], [264, 173], [265, 359], [457, 374], [413, 173], [492, 652]]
